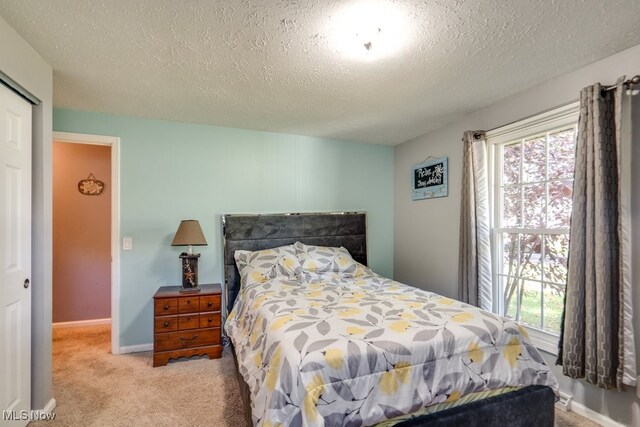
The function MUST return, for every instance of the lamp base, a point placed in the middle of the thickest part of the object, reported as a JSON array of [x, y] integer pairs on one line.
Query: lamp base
[[189, 270]]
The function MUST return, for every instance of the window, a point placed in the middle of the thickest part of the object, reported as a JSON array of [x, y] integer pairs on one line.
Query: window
[[532, 183]]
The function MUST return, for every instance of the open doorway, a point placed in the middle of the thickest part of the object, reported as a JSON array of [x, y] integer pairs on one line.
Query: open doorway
[[85, 232]]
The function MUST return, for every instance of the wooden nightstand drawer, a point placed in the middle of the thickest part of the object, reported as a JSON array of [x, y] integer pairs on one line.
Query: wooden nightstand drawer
[[165, 306], [210, 320], [186, 339], [186, 324], [188, 321], [210, 303], [166, 324], [188, 304]]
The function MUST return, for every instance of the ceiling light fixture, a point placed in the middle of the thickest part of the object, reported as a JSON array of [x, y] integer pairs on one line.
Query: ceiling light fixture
[[369, 30]]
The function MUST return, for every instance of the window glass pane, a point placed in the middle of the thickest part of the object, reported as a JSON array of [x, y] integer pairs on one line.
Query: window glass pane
[[511, 291], [553, 305], [534, 209], [531, 256], [562, 154], [560, 201], [512, 212], [534, 159], [510, 254], [511, 164], [531, 306], [556, 253]]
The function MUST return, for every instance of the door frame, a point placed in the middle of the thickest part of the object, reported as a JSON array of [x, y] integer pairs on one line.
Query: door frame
[[114, 143]]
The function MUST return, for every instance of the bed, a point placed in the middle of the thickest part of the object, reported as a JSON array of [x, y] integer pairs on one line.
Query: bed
[[349, 347]]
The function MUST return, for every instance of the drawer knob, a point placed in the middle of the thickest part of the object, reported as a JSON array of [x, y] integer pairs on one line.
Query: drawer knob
[[166, 306], [189, 339], [188, 301], [210, 304], [166, 324], [210, 319]]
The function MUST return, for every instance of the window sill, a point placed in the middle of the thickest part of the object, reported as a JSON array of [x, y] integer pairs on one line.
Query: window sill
[[543, 340]]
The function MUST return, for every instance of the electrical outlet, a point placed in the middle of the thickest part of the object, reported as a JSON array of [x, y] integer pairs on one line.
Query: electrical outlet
[[564, 402], [127, 243]]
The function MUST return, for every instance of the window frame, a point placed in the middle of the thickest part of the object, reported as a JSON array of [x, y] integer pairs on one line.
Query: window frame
[[543, 123]]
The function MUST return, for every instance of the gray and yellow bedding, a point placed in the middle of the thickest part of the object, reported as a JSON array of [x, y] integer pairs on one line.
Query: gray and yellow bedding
[[321, 339]]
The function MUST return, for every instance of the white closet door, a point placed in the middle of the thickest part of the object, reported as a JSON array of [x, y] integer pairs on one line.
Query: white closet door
[[15, 258]]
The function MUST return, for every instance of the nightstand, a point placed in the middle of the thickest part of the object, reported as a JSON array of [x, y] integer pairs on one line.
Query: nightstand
[[186, 324]]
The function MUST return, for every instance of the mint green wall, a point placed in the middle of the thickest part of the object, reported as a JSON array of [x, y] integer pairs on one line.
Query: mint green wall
[[171, 171]]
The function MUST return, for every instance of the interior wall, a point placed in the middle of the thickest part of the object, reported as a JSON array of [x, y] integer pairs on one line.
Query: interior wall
[[22, 64], [426, 231], [81, 234], [172, 171]]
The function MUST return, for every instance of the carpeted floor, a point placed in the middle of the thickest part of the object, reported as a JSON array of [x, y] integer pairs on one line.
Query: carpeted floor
[[94, 388]]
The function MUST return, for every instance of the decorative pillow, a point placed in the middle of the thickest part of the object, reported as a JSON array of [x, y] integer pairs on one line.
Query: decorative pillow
[[261, 266], [319, 259]]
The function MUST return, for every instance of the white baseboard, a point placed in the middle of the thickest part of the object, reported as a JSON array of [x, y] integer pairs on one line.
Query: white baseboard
[[50, 406], [597, 417], [79, 323], [136, 348]]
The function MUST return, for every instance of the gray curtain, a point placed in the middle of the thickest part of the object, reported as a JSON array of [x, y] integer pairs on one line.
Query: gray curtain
[[474, 273], [592, 340]]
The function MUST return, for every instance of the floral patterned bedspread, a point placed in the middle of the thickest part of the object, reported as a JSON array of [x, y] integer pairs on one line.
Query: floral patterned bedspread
[[331, 350]]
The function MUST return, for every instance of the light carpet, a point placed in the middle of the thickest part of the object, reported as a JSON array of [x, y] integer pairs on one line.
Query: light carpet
[[92, 387]]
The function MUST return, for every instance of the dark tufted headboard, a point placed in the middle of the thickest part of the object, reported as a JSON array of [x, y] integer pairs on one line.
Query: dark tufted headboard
[[257, 232]]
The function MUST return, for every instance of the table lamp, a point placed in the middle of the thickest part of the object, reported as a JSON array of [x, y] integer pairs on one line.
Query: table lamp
[[189, 234]]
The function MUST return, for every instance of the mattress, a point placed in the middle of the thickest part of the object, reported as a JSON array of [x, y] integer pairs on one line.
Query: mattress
[[334, 349]]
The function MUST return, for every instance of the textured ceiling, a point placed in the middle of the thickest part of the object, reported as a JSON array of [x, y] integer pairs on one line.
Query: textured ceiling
[[272, 64]]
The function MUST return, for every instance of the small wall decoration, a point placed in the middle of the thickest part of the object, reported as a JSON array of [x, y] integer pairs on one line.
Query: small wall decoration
[[90, 186], [430, 179]]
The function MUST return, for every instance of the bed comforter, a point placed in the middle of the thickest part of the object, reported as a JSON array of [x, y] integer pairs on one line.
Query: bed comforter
[[333, 350]]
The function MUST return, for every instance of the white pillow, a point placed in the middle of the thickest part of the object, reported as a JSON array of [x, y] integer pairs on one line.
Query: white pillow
[[262, 266]]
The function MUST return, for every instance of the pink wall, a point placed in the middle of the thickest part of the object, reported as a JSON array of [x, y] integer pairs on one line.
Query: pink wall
[[81, 234]]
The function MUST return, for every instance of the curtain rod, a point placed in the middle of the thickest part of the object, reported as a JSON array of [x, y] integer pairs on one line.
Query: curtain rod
[[632, 81], [479, 134]]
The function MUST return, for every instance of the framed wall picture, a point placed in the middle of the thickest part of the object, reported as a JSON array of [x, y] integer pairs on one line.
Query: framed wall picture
[[430, 179]]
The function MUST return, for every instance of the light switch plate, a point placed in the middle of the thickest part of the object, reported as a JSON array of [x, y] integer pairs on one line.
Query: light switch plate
[[127, 243]]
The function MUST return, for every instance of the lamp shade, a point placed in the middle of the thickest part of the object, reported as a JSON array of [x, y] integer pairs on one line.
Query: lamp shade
[[189, 233]]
